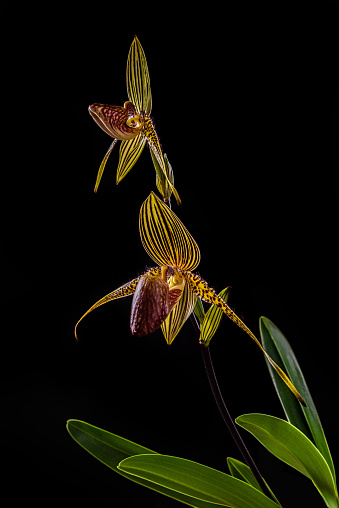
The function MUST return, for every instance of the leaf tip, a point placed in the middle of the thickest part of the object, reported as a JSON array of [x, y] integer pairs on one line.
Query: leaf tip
[[69, 425]]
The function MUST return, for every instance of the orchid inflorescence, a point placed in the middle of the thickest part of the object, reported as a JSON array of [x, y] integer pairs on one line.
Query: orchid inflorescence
[[167, 294], [133, 125]]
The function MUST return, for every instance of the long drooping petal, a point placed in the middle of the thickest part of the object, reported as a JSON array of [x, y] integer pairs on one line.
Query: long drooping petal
[[103, 164], [122, 291], [164, 236], [137, 78], [201, 289], [129, 153]]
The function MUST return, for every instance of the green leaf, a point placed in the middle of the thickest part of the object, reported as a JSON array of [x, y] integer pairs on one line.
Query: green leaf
[[305, 419], [212, 319], [106, 447], [290, 445], [196, 481], [241, 471], [111, 449]]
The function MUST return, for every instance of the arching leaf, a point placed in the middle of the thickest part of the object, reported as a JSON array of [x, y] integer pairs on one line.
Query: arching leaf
[[305, 419], [290, 445], [111, 450], [198, 482]]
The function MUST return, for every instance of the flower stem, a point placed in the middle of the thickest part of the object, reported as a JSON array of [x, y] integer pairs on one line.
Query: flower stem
[[212, 378], [228, 420]]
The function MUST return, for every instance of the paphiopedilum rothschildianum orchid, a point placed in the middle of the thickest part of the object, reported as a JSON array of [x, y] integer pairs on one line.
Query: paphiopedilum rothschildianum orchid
[[167, 294], [132, 125]]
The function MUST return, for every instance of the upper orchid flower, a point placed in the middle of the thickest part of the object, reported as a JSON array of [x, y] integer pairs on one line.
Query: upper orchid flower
[[166, 295], [132, 125]]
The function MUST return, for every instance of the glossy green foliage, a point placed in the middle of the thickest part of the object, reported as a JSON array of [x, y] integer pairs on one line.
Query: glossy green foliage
[[196, 481], [241, 471], [186, 481], [290, 445], [306, 419]]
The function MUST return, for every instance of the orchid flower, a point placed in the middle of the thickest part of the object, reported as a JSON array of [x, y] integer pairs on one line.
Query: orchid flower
[[165, 296], [132, 125]]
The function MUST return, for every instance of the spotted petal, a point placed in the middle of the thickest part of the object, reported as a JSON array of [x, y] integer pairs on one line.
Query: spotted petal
[[201, 289], [122, 291], [164, 236], [137, 78]]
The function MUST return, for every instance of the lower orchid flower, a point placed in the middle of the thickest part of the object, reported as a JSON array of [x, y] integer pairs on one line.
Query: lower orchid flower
[[165, 296]]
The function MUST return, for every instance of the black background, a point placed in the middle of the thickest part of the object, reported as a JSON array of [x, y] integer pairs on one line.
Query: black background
[[245, 102]]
